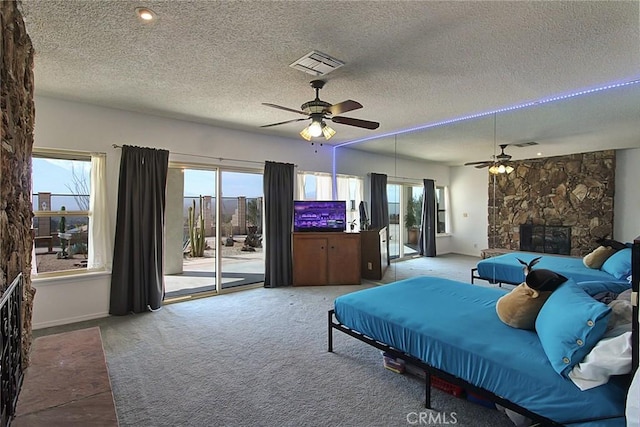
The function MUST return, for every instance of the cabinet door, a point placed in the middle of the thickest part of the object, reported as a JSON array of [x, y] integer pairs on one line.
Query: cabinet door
[[344, 260], [309, 260]]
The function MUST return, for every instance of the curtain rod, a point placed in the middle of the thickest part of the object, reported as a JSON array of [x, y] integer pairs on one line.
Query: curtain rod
[[222, 159], [402, 177]]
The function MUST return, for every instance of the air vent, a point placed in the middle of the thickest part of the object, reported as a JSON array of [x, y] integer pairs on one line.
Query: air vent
[[317, 63], [525, 144]]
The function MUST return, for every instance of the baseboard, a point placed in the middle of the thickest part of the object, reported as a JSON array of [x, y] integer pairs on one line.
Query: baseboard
[[69, 320]]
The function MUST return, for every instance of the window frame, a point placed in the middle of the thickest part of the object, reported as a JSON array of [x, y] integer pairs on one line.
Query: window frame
[[442, 206], [44, 153]]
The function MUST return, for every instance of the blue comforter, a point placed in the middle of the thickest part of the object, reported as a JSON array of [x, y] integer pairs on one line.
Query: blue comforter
[[506, 268], [453, 326]]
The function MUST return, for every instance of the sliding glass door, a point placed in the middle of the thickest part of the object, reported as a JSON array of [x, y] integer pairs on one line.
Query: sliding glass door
[[212, 240], [242, 260], [190, 231], [405, 212]]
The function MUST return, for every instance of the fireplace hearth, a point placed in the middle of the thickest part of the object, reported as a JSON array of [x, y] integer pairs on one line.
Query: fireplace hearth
[[550, 239]]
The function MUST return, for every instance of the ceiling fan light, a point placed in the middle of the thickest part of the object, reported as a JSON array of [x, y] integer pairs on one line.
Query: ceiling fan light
[[508, 169], [305, 133], [327, 131], [315, 128], [494, 170]]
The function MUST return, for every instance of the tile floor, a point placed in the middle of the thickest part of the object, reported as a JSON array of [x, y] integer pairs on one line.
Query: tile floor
[[67, 383]]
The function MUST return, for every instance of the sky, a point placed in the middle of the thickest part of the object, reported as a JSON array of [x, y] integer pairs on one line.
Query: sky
[[199, 182], [56, 176]]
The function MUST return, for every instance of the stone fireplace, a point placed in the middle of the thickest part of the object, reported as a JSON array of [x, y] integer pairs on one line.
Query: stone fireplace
[[558, 199]]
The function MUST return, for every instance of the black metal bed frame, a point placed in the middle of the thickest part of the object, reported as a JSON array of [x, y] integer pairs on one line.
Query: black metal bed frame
[[429, 370], [11, 372], [474, 276]]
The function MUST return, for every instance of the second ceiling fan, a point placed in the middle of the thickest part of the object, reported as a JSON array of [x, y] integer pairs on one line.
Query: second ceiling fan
[[498, 164], [319, 111]]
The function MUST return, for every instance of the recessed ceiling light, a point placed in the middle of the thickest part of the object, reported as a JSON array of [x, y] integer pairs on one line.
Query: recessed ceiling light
[[145, 14]]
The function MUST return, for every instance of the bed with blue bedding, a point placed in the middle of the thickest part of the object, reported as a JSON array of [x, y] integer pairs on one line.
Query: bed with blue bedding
[[507, 269], [450, 329]]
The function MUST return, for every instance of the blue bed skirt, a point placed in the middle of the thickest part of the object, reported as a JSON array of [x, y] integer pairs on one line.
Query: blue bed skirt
[[507, 269], [453, 327]]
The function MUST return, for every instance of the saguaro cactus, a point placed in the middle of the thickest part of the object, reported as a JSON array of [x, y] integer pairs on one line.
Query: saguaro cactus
[[196, 229], [62, 228]]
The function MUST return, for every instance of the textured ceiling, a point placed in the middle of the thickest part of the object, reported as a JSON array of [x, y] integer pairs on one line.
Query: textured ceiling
[[408, 63]]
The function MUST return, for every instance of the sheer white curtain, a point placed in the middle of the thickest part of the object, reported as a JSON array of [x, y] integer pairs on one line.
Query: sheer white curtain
[[100, 246], [324, 187], [351, 189], [301, 179]]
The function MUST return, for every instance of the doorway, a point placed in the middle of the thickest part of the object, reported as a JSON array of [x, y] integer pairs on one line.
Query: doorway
[[405, 214], [211, 239]]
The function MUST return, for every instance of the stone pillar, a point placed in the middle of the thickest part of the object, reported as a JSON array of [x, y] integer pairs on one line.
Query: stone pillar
[[209, 215], [16, 132], [44, 223], [242, 215]]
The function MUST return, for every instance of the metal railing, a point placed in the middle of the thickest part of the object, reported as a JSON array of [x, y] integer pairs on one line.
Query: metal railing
[[11, 372]]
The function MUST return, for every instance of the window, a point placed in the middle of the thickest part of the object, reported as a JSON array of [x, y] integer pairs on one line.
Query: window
[[351, 189], [442, 202], [315, 186], [63, 218]]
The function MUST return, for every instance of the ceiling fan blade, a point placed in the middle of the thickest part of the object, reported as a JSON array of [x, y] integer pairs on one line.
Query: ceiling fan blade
[[355, 122], [343, 107], [284, 108], [483, 164], [282, 123]]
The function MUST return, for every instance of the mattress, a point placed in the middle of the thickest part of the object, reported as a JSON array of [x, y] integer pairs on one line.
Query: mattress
[[453, 326], [507, 269]]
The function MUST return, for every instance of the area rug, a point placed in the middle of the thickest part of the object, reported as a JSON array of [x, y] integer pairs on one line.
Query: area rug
[[67, 383]]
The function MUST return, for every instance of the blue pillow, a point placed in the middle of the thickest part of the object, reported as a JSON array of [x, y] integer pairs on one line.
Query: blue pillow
[[619, 264], [569, 325], [594, 287]]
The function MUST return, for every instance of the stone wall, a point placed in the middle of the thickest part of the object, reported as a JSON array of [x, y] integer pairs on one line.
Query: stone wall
[[575, 190], [16, 132]]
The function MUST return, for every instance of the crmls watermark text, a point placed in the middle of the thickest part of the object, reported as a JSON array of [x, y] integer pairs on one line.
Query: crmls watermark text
[[432, 418]]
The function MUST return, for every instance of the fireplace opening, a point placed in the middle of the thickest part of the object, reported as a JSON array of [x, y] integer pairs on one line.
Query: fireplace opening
[[550, 239]]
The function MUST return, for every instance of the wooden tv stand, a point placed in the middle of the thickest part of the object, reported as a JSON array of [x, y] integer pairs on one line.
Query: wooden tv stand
[[326, 258]]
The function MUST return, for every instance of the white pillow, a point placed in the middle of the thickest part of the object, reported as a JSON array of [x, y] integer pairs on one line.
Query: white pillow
[[610, 356]]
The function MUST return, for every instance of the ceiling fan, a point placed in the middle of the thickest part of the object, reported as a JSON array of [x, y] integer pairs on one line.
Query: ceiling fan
[[498, 164], [319, 111]]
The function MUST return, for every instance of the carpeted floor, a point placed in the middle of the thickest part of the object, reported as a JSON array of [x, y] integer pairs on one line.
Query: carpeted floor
[[259, 358]]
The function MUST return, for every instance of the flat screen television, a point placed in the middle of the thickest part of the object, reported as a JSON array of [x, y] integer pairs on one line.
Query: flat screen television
[[321, 215]]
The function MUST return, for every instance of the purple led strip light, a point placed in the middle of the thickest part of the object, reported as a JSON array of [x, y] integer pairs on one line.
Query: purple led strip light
[[486, 113]]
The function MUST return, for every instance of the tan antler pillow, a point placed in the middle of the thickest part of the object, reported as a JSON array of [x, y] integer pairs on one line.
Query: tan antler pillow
[[599, 255], [519, 308]]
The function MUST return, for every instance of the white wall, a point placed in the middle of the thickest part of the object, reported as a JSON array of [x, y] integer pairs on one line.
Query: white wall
[[626, 216], [70, 125], [469, 213]]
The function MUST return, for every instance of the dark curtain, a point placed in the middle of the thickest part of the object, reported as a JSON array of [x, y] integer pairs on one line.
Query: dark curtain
[[137, 278], [379, 201], [427, 241], [278, 213], [380, 205]]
